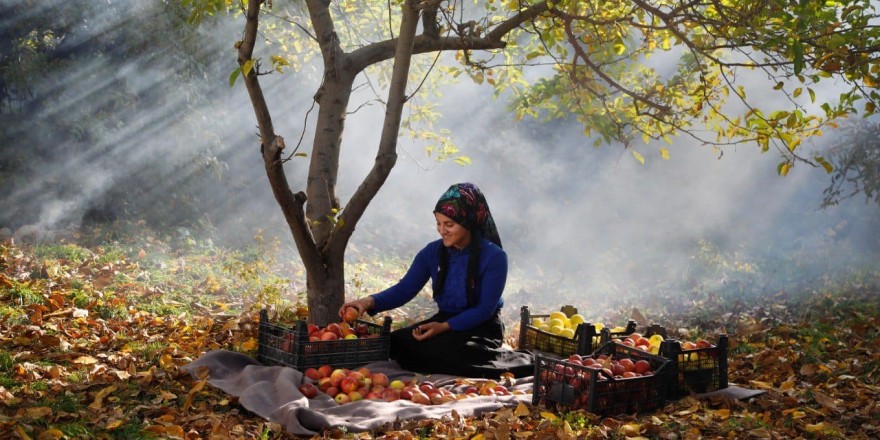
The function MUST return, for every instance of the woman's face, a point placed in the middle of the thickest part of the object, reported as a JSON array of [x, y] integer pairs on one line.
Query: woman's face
[[452, 233]]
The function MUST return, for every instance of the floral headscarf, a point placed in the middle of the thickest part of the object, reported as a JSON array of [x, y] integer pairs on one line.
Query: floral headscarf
[[465, 204]]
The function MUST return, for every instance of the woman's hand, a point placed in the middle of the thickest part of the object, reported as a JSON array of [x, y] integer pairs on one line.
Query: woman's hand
[[429, 329], [362, 306]]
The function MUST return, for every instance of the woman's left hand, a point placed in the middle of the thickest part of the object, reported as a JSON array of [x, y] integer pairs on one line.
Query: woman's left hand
[[429, 329]]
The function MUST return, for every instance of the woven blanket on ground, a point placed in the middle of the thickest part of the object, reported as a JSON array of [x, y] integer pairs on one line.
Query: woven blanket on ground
[[272, 392]]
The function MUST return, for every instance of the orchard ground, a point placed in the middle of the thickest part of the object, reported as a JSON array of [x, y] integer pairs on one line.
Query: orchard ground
[[95, 331]]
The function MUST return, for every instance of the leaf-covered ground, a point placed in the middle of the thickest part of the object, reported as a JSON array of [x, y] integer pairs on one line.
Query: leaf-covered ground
[[92, 340]]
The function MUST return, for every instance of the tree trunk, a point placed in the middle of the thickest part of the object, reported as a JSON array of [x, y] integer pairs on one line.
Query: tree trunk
[[326, 289], [320, 231]]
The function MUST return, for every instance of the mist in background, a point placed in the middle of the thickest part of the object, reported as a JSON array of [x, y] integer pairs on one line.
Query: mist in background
[[146, 135]]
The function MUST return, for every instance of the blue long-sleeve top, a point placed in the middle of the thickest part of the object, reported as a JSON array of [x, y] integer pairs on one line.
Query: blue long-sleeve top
[[491, 277]]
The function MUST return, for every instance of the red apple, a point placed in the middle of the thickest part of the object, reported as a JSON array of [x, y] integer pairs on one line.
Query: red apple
[[329, 336], [324, 383], [420, 398], [309, 390], [332, 391], [390, 394], [333, 328], [358, 376], [325, 370], [336, 377], [379, 379], [642, 366], [348, 385], [350, 314], [312, 373]]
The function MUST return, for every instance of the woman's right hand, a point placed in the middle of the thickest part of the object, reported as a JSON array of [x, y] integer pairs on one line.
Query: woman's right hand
[[362, 306]]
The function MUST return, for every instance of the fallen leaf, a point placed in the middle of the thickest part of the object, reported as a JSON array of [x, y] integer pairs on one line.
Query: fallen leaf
[[760, 433], [825, 400], [549, 415], [761, 384], [787, 385], [38, 412], [50, 434], [817, 427], [99, 398], [809, 370], [85, 360], [631, 430], [521, 410], [249, 345], [166, 361]]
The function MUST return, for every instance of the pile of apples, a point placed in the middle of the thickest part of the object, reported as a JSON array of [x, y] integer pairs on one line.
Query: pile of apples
[[622, 368], [345, 386], [347, 329], [636, 340], [652, 345], [341, 330]]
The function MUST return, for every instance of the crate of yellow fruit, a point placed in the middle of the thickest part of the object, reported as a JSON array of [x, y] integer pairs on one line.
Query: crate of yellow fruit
[[565, 332]]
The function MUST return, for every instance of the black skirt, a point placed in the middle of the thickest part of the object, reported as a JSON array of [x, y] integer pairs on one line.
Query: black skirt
[[477, 352]]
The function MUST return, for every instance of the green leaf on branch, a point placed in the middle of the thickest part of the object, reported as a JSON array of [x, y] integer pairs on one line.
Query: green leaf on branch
[[248, 66], [783, 168], [279, 62], [234, 76], [638, 157], [825, 164]]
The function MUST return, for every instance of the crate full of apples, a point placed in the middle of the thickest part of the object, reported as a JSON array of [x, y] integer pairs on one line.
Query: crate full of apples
[[565, 332], [615, 379], [346, 344]]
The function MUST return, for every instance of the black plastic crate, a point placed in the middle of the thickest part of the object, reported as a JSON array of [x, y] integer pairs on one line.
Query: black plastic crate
[[699, 370], [563, 385], [586, 338], [290, 346]]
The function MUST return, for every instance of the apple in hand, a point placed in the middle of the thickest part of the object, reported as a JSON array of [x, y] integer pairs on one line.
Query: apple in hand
[[350, 314]]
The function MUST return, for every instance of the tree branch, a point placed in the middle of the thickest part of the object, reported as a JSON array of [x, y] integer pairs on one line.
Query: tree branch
[[291, 204], [387, 154], [385, 50]]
